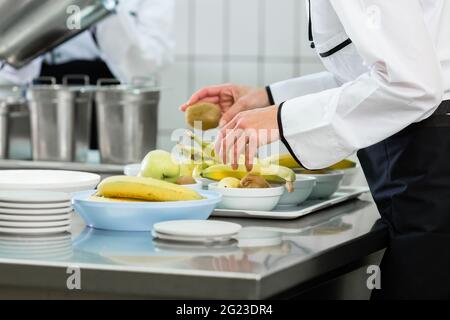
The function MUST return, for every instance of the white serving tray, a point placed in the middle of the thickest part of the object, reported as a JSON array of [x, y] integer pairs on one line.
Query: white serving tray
[[287, 213]]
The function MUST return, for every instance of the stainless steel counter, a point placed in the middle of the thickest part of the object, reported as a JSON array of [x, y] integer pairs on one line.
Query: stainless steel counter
[[134, 265]]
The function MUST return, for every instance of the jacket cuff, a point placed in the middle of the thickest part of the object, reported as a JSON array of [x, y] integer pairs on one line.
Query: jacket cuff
[[269, 94], [283, 139]]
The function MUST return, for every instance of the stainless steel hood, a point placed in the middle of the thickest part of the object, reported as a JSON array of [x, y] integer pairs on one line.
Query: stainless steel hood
[[29, 28]]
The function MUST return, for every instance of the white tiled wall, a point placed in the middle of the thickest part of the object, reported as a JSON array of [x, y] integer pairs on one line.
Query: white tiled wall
[[253, 42]]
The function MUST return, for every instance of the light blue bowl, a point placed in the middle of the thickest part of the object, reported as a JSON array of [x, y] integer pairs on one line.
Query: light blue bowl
[[141, 216]]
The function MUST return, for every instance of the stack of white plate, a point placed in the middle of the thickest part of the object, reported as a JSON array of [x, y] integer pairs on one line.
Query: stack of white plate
[[54, 247], [34, 212], [196, 231]]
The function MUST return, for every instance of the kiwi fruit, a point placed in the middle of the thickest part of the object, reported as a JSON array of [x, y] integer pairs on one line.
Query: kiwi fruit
[[252, 181], [207, 114], [185, 180]]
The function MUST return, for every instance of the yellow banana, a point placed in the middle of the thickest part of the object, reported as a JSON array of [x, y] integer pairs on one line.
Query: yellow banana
[[271, 173], [287, 160], [146, 189], [344, 164]]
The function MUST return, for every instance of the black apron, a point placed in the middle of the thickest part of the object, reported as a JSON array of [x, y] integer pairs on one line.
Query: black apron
[[409, 177], [95, 70]]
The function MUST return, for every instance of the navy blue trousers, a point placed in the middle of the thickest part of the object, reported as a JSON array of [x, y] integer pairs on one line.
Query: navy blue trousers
[[409, 177]]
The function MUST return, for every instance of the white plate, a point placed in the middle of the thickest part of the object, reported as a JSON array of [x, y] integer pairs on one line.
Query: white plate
[[167, 237], [34, 230], [33, 197], [55, 217], [29, 212], [37, 239], [55, 180], [42, 224], [197, 228], [50, 205]]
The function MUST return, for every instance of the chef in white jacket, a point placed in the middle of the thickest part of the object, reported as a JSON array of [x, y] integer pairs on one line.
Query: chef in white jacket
[[386, 95], [135, 42]]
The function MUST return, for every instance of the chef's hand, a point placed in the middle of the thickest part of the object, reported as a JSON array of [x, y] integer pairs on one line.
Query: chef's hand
[[231, 98], [245, 133]]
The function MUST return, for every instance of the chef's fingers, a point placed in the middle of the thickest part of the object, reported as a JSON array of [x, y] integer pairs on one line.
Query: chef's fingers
[[240, 105], [214, 100], [223, 133], [228, 142], [251, 150], [239, 149], [211, 91]]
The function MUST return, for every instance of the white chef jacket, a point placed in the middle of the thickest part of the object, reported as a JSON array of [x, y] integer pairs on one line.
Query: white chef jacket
[[393, 72], [135, 42]]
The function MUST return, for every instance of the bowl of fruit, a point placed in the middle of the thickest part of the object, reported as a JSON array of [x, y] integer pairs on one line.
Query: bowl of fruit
[[124, 203], [252, 192]]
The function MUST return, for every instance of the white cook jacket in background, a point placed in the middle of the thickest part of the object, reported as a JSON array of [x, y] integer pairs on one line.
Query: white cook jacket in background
[[136, 42], [396, 72]]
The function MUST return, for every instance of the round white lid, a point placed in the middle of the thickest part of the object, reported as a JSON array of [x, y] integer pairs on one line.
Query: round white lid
[[34, 196], [197, 228]]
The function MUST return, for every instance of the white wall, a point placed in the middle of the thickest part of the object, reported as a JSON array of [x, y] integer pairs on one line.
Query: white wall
[[253, 42]]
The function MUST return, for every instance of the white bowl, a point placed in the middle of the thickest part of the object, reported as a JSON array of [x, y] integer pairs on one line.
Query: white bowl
[[303, 188], [248, 199], [326, 184]]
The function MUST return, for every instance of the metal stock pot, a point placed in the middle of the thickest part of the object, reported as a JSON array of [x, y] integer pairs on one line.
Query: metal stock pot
[[60, 120], [127, 120]]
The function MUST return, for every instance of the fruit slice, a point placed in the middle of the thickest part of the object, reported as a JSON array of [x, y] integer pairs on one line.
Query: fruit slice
[[147, 189]]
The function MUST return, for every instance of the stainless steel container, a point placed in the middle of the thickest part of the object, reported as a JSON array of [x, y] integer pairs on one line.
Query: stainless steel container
[[60, 120], [3, 131], [14, 121], [127, 117], [29, 28]]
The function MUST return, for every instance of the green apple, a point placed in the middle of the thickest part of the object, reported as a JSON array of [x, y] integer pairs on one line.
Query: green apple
[[159, 165]]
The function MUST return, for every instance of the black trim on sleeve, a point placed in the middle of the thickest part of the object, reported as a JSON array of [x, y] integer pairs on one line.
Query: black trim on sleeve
[[269, 94], [336, 49], [283, 139], [310, 33]]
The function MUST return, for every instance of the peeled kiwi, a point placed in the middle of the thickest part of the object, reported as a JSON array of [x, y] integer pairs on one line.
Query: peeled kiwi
[[185, 180], [207, 114], [252, 181]]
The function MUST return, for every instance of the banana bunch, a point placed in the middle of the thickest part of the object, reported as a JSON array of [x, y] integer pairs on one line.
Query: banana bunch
[[212, 168], [287, 160], [144, 189]]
